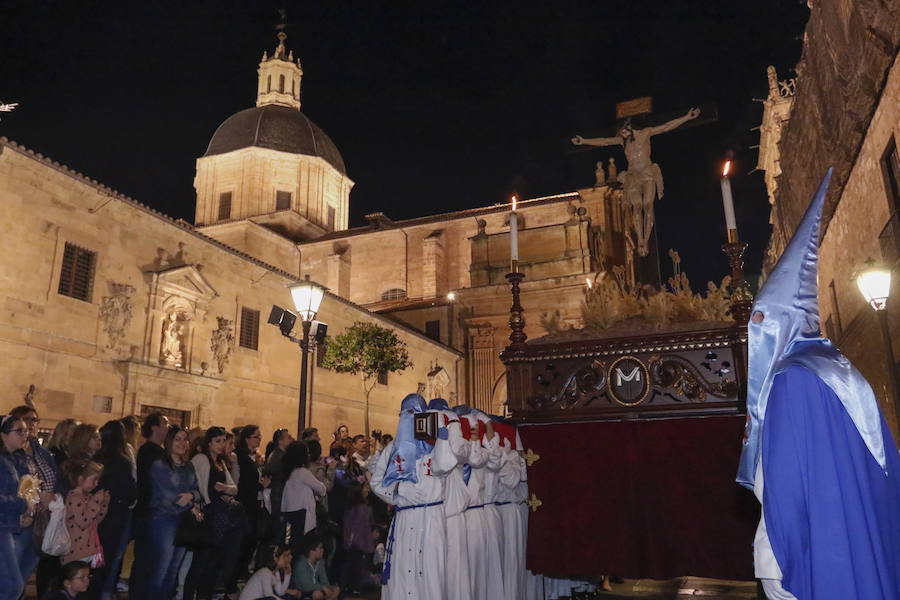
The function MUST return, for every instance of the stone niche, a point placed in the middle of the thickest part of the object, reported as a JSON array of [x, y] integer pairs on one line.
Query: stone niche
[[179, 298]]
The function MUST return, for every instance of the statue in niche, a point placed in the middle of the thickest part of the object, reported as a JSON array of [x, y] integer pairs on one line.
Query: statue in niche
[[642, 181], [172, 341], [600, 174]]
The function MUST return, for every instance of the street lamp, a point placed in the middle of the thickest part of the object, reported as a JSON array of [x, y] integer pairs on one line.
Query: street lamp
[[875, 284], [307, 296]]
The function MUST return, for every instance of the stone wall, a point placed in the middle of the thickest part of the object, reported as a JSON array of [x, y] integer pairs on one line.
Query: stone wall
[[87, 360], [849, 45], [845, 113]]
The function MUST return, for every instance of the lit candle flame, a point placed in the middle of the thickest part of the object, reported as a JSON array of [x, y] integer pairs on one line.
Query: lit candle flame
[[514, 200], [589, 284], [726, 169]]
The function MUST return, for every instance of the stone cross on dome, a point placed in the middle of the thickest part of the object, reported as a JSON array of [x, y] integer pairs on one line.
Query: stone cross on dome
[[279, 77]]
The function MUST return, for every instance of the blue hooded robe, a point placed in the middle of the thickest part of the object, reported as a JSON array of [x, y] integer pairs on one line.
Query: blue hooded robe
[[817, 451]]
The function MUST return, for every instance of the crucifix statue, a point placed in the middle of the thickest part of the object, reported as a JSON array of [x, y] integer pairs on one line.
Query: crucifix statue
[[642, 182]]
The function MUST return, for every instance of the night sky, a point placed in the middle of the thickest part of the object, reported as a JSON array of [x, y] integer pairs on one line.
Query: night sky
[[435, 106]]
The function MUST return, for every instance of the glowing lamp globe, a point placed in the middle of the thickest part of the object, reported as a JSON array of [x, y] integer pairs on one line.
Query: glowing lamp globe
[[307, 296], [875, 284]]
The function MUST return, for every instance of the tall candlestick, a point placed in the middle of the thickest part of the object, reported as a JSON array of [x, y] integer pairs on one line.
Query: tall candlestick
[[728, 203], [514, 238]]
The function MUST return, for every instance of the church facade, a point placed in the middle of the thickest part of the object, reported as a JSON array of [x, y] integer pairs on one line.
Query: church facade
[[111, 308]]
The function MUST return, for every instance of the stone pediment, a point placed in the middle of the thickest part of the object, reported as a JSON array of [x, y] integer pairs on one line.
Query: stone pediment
[[187, 282]]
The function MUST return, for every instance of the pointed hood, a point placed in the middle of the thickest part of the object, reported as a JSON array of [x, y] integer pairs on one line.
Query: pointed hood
[[784, 331], [406, 449]]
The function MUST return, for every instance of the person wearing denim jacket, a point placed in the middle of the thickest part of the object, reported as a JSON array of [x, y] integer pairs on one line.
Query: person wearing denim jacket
[[12, 507], [174, 490], [35, 460]]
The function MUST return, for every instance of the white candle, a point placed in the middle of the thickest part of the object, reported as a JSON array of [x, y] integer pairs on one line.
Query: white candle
[[514, 236], [728, 203]]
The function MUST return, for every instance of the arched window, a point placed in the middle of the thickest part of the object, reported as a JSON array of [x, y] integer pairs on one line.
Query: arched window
[[281, 83], [269, 84], [394, 294]]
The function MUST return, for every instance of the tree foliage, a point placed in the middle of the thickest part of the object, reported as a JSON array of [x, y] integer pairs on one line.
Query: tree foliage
[[367, 349]]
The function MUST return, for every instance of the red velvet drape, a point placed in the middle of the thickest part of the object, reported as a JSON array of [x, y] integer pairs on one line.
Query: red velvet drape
[[640, 499]]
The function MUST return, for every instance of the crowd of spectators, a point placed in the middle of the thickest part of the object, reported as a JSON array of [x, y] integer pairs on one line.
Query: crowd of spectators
[[209, 513]]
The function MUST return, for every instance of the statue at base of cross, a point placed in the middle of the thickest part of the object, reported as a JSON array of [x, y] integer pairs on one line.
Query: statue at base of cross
[[642, 181]]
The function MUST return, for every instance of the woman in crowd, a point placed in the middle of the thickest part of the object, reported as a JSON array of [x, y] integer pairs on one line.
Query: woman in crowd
[[250, 486], [341, 434], [85, 509], [36, 461], [298, 503], [132, 427], [228, 517], [115, 529], [59, 440], [74, 577], [85, 442], [273, 580], [274, 455], [231, 456], [324, 471], [13, 437], [173, 491]]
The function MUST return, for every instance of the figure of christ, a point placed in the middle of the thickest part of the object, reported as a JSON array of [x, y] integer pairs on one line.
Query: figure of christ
[[418, 537], [642, 181]]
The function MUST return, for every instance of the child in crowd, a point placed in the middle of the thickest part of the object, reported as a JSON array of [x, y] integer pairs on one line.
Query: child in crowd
[[74, 579], [359, 543], [309, 572], [84, 511], [273, 580]]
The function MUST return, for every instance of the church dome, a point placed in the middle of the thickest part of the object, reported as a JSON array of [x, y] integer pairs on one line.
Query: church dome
[[275, 127]]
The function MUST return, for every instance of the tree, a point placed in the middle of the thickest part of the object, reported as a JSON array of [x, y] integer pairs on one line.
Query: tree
[[367, 350]]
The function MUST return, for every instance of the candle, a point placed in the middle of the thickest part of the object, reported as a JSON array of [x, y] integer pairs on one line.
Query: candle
[[514, 238], [728, 203]]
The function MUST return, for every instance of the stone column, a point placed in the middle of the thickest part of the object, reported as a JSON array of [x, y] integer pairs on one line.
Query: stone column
[[434, 272]]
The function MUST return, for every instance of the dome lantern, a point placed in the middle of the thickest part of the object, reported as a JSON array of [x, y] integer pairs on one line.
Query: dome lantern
[[279, 77]]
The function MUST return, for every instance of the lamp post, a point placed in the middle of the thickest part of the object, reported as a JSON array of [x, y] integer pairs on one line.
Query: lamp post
[[875, 284], [307, 296]]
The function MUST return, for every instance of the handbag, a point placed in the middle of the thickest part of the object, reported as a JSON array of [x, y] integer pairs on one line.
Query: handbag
[[191, 533]]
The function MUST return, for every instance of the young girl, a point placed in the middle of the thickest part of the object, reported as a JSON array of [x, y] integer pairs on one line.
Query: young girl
[[272, 581], [84, 511], [74, 579]]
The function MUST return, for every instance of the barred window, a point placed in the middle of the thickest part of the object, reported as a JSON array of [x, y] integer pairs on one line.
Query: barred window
[[282, 200], [224, 206], [321, 349], [433, 330], [249, 328], [76, 277]]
